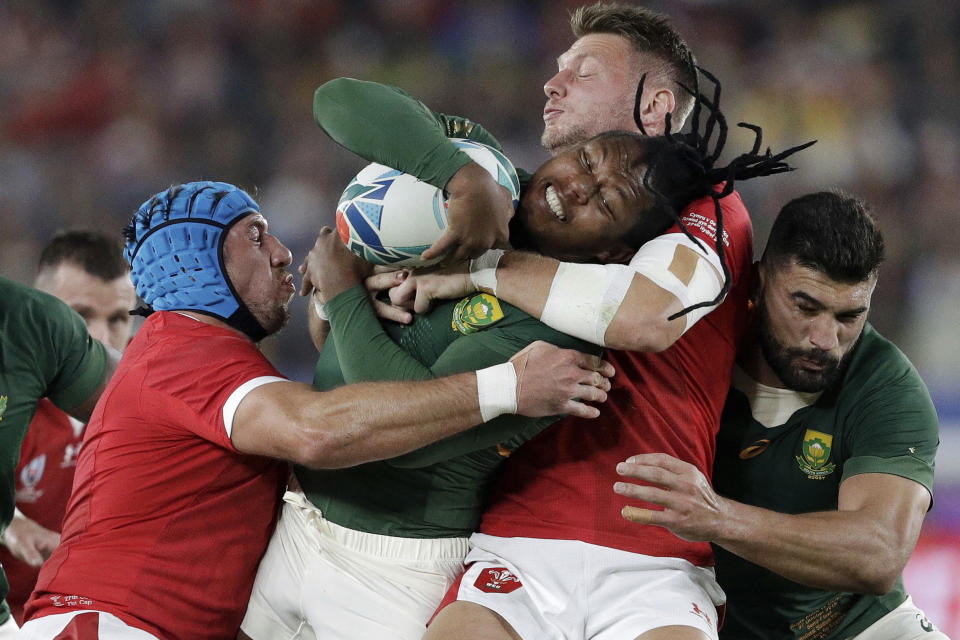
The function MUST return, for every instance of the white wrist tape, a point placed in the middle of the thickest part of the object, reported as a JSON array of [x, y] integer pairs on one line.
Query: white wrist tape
[[483, 270], [653, 261], [584, 298], [318, 307], [497, 390]]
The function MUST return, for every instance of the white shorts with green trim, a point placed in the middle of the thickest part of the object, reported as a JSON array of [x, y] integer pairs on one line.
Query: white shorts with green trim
[[906, 622], [566, 589], [320, 580]]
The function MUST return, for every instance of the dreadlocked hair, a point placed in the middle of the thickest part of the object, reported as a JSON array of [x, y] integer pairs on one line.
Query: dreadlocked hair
[[681, 168]]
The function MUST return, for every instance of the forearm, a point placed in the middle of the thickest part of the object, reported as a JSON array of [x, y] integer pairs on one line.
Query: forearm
[[360, 423], [524, 279], [640, 320], [365, 350], [835, 550], [383, 124], [482, 436]]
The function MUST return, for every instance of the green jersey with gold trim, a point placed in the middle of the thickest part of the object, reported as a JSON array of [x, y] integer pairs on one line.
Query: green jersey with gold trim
[[437, 491], [45, 351], [878, 419]]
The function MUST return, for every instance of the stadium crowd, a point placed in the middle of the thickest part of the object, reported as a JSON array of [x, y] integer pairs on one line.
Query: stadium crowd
[[103, 101], [135, 93]]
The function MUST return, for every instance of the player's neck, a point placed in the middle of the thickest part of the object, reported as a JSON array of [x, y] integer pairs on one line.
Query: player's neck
[[755, 365], [204, 318]]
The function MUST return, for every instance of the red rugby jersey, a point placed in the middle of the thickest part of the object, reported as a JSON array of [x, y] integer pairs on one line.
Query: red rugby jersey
[[167, 521], [48, 458], [560, 484]]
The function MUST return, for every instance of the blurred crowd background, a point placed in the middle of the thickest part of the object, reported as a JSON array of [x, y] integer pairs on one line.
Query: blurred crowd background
[[103, 103]]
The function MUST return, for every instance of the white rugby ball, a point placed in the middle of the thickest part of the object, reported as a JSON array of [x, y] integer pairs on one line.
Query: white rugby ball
[[389, 217]]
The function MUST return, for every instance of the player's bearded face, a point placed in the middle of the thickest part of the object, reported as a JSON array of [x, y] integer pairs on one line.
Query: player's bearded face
[[784, 359], [256, 262], [809, 323]]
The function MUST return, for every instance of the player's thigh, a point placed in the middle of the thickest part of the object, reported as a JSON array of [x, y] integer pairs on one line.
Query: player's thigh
[[8, 629], [674, 632], [275, 608], [465, 619], [363, 595]]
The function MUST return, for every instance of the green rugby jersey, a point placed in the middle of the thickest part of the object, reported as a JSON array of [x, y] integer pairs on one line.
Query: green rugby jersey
[[437, 491], [385, 124], [878, 419], [45, 351]]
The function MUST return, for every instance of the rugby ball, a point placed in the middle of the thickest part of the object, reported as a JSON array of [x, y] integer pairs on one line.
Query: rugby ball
[[389, 217]]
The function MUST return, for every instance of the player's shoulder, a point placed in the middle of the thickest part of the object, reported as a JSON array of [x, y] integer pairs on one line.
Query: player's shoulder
[[171, 340], [731, 205], [29, 314], [876, 356], [879, 369], [19, 300]]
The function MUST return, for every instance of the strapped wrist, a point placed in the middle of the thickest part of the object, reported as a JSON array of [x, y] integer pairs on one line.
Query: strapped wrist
[[318, 306], [497, 390], [483, 270]]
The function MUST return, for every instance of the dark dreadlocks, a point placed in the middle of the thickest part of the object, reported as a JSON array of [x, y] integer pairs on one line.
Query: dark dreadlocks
[[682, 165]]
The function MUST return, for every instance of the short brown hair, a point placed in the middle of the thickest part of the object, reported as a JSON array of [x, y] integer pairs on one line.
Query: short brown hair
[[651, 35], [95, 252]]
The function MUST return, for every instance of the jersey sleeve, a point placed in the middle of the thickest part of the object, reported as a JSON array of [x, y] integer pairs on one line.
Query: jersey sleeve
[[479, 350], [387, 125], [895, 430], [77, 362], [366, 352], [700, 220], [198, 385]]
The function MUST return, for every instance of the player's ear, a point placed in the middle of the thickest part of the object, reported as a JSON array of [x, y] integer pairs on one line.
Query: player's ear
[[656, 104]]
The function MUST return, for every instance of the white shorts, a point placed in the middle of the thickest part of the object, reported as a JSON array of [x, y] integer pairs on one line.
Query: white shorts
[[8, 629], [320, 580], [906, 622], [567, 589], [82, 625]]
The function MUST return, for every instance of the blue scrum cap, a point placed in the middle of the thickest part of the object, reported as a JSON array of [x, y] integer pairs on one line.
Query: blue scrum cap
[[175, 250]]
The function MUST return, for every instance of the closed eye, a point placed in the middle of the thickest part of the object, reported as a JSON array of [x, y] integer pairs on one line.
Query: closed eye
[[585, 161]]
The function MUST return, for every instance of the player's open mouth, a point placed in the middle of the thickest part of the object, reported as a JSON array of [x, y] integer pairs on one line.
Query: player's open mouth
[[553, 201]]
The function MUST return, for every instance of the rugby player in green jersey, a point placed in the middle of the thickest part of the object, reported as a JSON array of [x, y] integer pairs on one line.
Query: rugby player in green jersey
[[369, 551], [45, 351], [373, 548], [824, 465]]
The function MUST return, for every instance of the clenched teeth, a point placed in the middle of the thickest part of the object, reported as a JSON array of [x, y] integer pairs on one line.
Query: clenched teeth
[[553, 201]]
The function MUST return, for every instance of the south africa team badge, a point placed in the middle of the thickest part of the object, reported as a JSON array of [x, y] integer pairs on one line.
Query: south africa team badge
[[476, 312], [815, 461]]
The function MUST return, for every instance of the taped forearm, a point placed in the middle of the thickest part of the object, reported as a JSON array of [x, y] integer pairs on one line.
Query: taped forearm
[[587, 300]]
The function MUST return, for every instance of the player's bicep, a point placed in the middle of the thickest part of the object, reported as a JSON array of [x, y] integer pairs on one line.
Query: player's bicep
[[688, 271], [896, 503], [261, 417], [84, 410]]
